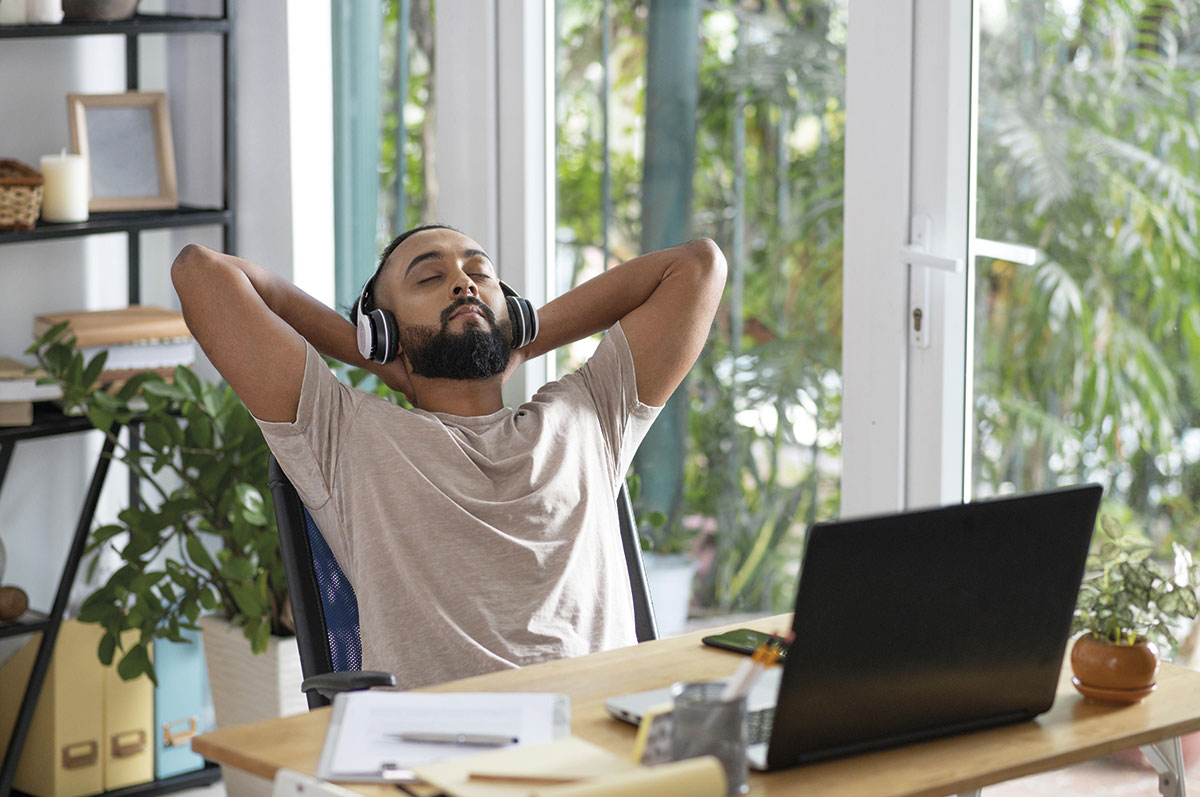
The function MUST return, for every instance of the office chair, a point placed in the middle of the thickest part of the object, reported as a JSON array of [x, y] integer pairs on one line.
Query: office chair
[[325, 609]]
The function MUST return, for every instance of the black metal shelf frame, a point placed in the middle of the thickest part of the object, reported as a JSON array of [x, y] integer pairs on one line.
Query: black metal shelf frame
[[48, 420], [139, 23]]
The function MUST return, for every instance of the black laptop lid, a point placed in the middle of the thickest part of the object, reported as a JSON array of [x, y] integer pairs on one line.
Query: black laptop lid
[[925, 623]]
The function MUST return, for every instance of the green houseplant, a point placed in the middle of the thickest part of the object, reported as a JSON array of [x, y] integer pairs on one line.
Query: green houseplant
[[202, 537], [1126, 609]]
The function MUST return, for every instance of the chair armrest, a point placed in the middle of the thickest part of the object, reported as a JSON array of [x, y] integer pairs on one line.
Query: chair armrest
[[330, 683]]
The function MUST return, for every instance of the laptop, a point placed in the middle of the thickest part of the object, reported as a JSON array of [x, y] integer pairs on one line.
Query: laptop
[[920, 624]]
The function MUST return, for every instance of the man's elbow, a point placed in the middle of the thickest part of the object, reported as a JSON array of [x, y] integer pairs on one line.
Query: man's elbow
[[709, 262], [191, 259]]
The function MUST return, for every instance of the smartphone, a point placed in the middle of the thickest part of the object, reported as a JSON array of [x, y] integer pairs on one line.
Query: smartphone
[[741, 640]]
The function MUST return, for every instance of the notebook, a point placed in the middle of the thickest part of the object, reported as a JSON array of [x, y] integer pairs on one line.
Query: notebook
[[922, 624]]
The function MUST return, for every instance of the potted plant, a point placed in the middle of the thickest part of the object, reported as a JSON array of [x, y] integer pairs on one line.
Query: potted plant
[[1125, 610], [201, 538]]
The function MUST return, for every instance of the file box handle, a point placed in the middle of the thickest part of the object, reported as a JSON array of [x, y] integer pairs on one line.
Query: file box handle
[[80, 754], [174, 735], [127, 743]]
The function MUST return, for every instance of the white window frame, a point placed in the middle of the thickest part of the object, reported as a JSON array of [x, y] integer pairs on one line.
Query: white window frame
[[909, 186], [495, 146], [908, 155]]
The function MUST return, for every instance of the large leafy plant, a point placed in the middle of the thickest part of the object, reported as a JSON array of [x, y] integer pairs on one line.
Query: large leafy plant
[[201, 537], [1126, 598]]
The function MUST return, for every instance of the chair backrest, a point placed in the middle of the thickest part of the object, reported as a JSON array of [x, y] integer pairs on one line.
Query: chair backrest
[[325, 608], [644, 623]]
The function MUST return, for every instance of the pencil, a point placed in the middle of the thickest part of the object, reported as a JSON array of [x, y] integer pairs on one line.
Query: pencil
[[500, 777]]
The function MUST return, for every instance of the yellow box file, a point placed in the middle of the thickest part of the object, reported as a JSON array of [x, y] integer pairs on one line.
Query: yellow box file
[[90, 731], [62, 756], [16, 664], [128, 724]]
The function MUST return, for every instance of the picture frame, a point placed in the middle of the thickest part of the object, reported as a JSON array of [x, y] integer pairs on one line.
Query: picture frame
[[126, 139]]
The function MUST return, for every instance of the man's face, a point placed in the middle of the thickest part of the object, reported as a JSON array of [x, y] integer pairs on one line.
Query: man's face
[[451, 313]]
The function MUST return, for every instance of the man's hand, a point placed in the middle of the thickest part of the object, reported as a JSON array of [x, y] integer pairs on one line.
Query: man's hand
[[252, 324], [665, 302]]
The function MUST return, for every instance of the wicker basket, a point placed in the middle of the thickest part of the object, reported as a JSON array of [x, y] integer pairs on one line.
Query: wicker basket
[[20, 195]]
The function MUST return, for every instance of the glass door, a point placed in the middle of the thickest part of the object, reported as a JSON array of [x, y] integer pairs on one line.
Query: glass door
[[725, 120], [1087, 335]]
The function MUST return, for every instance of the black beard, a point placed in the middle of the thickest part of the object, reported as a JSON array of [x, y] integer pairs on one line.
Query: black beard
[[471, 354]]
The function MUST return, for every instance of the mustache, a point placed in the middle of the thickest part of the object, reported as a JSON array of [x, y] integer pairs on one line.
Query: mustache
[[473, 302]]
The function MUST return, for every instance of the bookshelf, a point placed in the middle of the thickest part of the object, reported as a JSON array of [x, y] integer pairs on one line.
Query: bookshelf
[[48, 419]]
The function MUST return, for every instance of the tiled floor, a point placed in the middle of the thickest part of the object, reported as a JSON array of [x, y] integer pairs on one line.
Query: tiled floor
[[1104, 777]]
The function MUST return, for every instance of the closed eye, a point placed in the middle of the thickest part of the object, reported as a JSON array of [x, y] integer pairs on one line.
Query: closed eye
[[429, 279]]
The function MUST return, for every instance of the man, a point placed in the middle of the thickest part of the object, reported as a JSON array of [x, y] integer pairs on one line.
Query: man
[[476, 537]]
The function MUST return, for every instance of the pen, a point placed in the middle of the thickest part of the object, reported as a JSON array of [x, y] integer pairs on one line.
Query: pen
[[472, 739], [506, 777]]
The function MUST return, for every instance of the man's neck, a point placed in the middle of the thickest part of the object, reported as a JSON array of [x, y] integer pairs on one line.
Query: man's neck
[[465, 397]]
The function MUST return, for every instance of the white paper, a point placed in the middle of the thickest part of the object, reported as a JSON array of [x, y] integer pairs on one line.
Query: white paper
[[359, 743]]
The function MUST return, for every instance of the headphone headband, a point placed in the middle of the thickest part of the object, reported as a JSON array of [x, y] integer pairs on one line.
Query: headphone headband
[[378, 334]]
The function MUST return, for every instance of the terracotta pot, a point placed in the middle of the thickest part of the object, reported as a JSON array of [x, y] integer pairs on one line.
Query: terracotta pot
[[1114, 673]]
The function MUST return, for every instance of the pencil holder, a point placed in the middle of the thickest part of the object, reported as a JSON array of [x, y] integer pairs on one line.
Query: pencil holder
[[704, 724]]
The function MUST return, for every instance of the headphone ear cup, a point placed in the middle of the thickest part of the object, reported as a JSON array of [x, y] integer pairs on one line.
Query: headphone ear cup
[[384, 338], [524, 321], [516, 318], [366, 334]]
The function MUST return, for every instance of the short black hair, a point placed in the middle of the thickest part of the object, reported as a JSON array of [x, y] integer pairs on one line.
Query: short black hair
[[383, 259]]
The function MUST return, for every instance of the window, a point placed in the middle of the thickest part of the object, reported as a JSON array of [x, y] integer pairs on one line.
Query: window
[[748, 152], [384, 103], [1087, 350]]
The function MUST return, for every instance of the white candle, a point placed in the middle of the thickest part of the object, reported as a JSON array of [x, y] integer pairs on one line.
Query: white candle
[[65, 190], [12, 12], [43, 12]]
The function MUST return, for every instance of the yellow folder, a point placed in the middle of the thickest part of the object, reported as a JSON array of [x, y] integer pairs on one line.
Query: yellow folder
[[128, 723], [570, 767], [62, 756], [16, 664]]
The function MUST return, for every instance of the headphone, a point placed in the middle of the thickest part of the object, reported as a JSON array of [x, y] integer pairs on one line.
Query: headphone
[[378, 339]]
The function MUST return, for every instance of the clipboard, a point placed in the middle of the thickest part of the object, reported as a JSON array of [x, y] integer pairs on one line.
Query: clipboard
[[361, 744]]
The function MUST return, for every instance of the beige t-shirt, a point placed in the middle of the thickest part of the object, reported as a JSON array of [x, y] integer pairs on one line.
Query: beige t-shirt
[[474, 543]]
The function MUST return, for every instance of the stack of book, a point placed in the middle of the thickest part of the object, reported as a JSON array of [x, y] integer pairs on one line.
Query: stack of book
[[137, 338], [19, 388]]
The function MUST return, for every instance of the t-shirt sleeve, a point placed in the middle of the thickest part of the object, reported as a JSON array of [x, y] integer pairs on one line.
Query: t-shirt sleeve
[[308, 448], [609, 378]]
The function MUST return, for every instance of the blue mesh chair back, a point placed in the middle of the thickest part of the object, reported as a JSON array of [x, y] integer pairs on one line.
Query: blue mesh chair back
[[324, 607], [339, 606]]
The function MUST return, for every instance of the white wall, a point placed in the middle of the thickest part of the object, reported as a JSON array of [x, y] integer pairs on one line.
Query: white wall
[[285, 173]]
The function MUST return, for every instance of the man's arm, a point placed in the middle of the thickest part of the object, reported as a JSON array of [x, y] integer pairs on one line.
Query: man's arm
[[665, 302], [252, 324]]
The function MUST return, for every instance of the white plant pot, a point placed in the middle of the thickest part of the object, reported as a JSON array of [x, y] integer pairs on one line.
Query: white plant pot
[[670, 578], [248, 687]]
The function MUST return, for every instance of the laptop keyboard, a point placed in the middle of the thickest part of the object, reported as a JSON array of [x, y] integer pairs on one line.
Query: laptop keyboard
[[758, 725]]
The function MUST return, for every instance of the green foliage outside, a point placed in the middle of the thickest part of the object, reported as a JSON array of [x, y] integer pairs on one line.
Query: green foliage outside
[[1087, 363], [203, 538], [414, 182], [765, 397]]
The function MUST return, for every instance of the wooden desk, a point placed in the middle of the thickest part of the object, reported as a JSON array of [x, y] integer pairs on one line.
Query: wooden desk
[[1074, 730]]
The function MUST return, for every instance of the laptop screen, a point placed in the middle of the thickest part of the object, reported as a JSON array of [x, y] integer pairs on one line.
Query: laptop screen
[[924, 623]]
